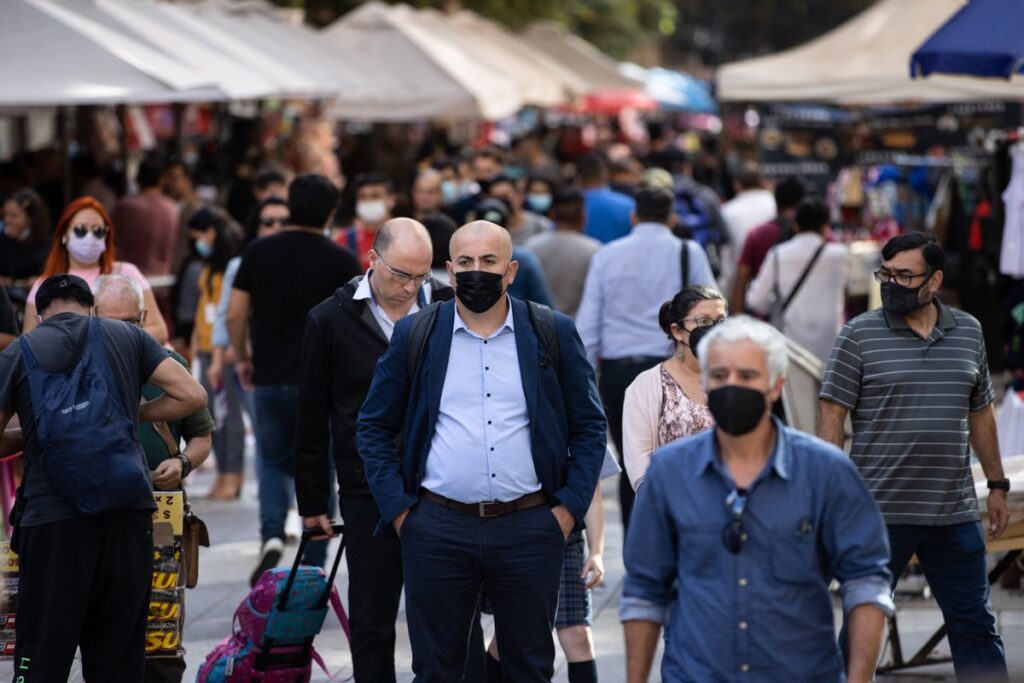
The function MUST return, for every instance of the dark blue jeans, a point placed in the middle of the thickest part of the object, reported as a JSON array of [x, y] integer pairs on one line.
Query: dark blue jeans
[[276, 405], [447, 556], [953, 561]]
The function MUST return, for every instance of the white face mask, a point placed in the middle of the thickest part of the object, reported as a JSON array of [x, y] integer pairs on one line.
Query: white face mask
[[373, 211], [86, 250]]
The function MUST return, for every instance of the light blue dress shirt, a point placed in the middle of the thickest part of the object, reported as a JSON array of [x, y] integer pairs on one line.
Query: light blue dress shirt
[[481, 447], [220, 328], [763, 614], [628, 281]]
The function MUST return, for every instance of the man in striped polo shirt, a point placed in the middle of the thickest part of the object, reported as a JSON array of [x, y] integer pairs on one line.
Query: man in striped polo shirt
[[915, 376]]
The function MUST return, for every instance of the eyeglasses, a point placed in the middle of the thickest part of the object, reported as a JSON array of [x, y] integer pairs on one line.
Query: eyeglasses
[[701, 322], [404, 278], [733, 534], [98, 231], [900, 277], [272, 221]]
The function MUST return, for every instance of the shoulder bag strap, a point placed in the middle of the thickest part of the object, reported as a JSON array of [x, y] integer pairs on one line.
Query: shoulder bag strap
[[684, 262], [803, 276]]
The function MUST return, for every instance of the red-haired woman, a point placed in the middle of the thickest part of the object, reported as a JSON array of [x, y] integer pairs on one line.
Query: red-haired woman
[[83, 245]]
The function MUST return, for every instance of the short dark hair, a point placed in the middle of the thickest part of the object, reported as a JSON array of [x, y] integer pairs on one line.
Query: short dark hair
[[151, 170], [503, 178], [443, 164], [593, 168], [311, 200], [788, 193], [63, 287], [654, 204], [372, 178], [441, 228], [269, 176], [567, 207], [812, 215], [749, 176], [681, 304], [489, 152], [933, 254]]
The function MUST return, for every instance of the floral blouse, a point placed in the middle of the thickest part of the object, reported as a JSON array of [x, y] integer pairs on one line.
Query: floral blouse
[[679, 415]]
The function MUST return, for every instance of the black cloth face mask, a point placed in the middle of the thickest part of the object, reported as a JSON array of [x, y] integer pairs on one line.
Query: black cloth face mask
[[696, 335], [737, 410], [900, 300], [478, 290]]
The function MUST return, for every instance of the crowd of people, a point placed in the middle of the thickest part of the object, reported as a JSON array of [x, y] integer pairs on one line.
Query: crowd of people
[[455, 371]]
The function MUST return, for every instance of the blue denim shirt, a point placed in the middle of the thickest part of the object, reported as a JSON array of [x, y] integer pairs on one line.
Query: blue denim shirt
[[765, 613]]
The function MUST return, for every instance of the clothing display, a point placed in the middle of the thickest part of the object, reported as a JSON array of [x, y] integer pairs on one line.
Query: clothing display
[[1011, 258]]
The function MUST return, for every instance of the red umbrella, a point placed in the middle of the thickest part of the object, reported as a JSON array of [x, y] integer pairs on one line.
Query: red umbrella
[[614, 101]]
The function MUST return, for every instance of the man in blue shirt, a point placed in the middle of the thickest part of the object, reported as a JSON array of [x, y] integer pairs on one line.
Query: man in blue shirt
[[608, 211], [502, 450], [738, 532], [627, 282]]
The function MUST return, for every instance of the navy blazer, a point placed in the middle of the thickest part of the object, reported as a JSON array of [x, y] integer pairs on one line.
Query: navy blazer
[[568, 430]]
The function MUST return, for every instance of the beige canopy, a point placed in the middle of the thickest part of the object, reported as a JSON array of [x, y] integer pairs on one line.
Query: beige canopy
[[864, 61], [594, 68]]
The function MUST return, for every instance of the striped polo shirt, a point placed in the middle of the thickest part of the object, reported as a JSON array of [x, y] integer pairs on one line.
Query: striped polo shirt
[[909, 399]]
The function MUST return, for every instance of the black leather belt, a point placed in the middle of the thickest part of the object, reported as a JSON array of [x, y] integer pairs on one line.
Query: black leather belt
[[633, 360], [488, 509]]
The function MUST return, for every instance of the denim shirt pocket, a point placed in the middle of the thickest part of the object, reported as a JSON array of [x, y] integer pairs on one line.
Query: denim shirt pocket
[[794, 557], [700, 548]]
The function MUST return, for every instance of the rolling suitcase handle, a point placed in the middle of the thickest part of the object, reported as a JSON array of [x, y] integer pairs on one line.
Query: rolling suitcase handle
[[307, 535]]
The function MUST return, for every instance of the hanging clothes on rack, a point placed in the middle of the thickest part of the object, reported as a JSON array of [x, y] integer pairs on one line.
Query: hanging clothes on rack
[[1011, 258]]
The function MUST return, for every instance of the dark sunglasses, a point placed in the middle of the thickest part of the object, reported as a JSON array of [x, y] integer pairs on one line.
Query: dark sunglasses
[[733, 534], [271, 222], [98, 231]]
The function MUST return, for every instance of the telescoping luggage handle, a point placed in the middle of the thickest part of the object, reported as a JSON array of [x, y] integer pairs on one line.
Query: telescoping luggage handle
[[307, 535]]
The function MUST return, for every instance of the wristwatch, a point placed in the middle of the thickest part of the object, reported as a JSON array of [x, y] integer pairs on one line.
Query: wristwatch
[[999, 485], [186, 465]]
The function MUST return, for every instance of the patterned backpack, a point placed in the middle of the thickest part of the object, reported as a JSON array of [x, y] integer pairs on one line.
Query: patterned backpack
[[274, 626]]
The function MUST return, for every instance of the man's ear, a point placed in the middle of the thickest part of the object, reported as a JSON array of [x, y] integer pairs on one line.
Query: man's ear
[[936, 281]]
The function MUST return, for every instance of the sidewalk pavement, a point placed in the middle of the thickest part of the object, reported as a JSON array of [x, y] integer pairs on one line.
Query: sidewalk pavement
[[225, 569]]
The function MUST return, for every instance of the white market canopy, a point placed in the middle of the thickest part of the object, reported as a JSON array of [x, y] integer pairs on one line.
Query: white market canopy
[[52, 56], [419, 74], [864, 61], [594, 68]]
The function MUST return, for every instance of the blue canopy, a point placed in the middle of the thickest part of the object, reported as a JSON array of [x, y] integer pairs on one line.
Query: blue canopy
[[984, 38], [677, 91]]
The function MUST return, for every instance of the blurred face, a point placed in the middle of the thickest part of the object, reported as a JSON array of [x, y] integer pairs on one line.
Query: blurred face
[[177, 184], [398, 275], [15, 218], [507, 193], [87, 222], [703, 314], [426, 193], [485, 168], [207, 237], [272, 219], [279, 190], [741, 363], [539, 187], [120, 307]]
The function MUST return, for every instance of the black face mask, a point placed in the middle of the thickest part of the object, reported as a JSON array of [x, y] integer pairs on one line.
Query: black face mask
[[737, 410], [478, 290], [696, 335], [900, 300]]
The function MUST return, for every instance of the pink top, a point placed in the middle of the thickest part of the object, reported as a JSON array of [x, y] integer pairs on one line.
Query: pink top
[[90, 275], [679, 415]]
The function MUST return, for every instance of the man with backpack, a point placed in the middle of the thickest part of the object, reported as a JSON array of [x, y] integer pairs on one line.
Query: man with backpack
[[83, 517], [618, 314], [504, 437], [345, 336]]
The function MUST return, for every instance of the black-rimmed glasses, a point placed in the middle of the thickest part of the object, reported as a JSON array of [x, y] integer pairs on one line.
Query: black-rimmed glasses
[[733, 534], [900, 277], [404, 278]]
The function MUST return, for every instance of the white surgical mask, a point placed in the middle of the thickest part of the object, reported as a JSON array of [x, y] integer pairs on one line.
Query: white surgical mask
[[449, 192], [373, 211], [86, 250]]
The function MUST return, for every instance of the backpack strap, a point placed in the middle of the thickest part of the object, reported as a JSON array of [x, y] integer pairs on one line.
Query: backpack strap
[[803, 276], [339, 611], [684, 262], [543, 320], [422, 324]]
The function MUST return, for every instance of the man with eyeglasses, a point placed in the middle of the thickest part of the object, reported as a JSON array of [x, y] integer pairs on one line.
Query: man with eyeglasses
[[345, 336], [914, 376], [119, 297], [738, 531]]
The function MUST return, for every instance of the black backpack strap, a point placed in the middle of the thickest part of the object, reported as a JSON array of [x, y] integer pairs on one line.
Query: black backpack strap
[[422, 324], [803, 276], [684, 263], [543, 320]]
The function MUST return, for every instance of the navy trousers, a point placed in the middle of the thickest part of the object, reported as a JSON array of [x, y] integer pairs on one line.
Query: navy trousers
[[448, 556]]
